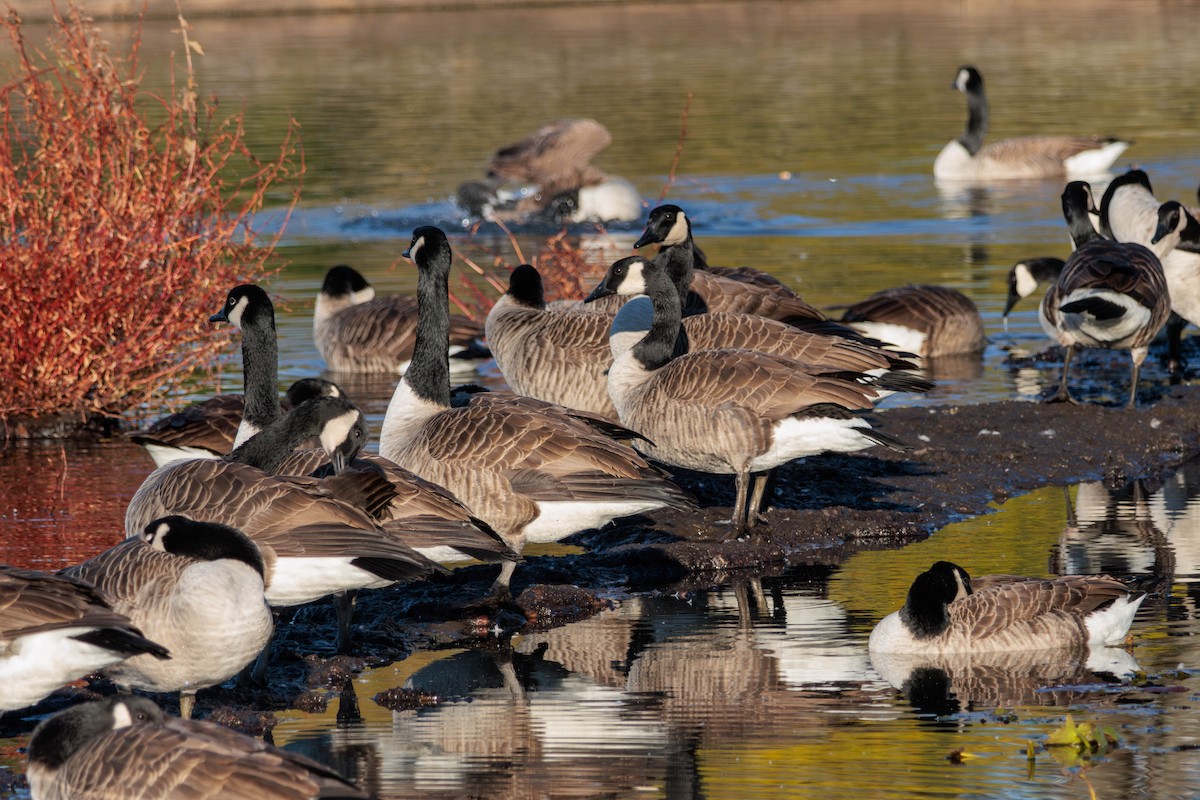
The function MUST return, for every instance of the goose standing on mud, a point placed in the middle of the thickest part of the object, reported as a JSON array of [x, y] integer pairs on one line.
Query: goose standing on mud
[[737, 412], [55, 629], [421, 514], [208, 428], [1129, 212], [534, 474], [126, 748], [948, 612], [1026, 157], [1109, 294], [355, 331], [197, 588]]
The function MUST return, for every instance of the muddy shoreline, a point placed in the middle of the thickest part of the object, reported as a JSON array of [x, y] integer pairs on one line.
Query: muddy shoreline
[[822, 509]]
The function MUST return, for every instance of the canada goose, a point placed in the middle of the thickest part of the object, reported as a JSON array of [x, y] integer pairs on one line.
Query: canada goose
[[1109, 295], [126, 748], [1129, 212], [196, 587], [948, 612], [534, 475], [318, 536], [421, 514], [359, 332], [208, 428], [928, 321], [1026, 157], [54, 629], [549, 176], [563, 356], [736, 412], [1027, 276]]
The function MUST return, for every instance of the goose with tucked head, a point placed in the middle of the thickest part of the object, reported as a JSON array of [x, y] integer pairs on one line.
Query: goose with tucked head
[[1022, 158], [948, 612], [126, 748]]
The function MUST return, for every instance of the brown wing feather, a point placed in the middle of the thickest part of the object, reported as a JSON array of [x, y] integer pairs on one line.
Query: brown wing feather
[[210, 423], [1002, 603], [384, 329], [33, 602], [558, 154]]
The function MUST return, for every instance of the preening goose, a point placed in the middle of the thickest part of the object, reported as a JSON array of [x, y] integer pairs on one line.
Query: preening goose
[[421, 514], [55, 629], [948, 612], [355, 331], [548, 176], [736, 412], [197, 588], [533, 474], [208, 428], [1109, 294], [1129, 212], [126, 748], [318, 536], [925, 320], [1026, 157]]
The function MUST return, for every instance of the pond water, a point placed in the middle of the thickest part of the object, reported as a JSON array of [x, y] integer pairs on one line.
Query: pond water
[[810, 136]]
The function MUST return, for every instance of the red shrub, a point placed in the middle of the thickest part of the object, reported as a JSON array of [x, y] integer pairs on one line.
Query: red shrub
[[118, 235]]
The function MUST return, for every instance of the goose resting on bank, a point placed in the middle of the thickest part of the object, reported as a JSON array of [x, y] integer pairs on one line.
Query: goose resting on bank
[[928, 321], [126, 748], [55, 629], [1026, 157], [197, 587], [533, 473], [948, 612], [737, 412], [355, 331]]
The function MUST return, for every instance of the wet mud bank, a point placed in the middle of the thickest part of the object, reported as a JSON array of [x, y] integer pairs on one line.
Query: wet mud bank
[[821, 510]]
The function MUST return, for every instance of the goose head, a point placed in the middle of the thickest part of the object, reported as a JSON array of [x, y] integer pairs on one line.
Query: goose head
[[1174, 219], [968, 80], [924, 612], [203, 541], [626, 276], [1026, 276], [1078, 204], [247, 305], [346, 285], [342, 428], [58, 738], [667, 225], [525, 287], [428, 248]]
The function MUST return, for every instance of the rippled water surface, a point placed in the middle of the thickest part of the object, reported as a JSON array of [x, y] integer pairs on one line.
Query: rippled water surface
[[810, 136]]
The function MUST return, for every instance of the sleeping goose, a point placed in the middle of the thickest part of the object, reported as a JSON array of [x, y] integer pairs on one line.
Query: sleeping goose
[[948, 612], [1109, 294], [1129, 212], [737, 412], [55, 629], [1027, 157], [355, 331], [318, 536], [534, 474], [196, 587], [421, 514], [563, 356], [208, 428], [126, 748], [928, 321], [548, 176]]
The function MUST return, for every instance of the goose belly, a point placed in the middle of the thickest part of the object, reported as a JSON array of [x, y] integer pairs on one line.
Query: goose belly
[[795, 438], [1117, 332], [910, 340], [559, 519], [297, 581], [36, 665]]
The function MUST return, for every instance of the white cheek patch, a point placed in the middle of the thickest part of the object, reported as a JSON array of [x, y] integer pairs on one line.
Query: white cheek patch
[[1026, 283], [362, 295], [155, 537], [235, 316], [415, 248], [635, 281], [679, 231], [962, 588], [121, 716], [337, 430], [961, 81]]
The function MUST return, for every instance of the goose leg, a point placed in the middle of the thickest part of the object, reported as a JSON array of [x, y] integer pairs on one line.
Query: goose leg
[[500, 588], [257, 674], [1175, 362], [1063, 395], [1137, 367], [737, 523], [187, 703], [754, 513], [343, 605]]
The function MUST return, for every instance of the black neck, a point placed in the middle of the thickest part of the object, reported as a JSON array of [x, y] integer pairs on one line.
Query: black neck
[[1079, 224], [429, 371], [678, 262], [924, 613], [260, 369], [271, 446], [977, 121], [666, 339]]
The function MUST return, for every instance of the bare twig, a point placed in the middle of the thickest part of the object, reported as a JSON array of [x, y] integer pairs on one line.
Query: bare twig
[[687, 106]]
